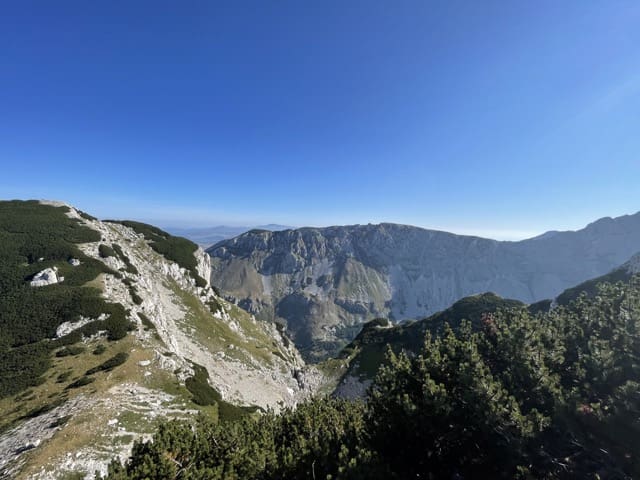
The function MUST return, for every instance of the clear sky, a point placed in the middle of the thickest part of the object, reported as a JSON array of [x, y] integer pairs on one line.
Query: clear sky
[[502, 119]]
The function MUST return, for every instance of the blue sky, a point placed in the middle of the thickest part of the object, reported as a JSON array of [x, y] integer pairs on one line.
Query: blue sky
[[502, 119]]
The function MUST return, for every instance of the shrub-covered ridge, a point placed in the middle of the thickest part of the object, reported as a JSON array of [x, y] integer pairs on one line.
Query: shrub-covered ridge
[[33, 237], [522, 395]]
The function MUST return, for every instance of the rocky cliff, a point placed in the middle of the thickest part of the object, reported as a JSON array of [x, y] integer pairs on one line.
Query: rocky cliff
[[180, 332], [323, 283]]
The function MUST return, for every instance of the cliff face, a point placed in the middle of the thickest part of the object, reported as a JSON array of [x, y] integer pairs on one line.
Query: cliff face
[[325, 282], [177, 327]]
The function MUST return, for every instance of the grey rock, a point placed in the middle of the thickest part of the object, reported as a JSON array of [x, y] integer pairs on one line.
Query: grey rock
[[323, 283]]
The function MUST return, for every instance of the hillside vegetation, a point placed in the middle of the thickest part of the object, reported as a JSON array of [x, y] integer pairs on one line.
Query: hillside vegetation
[[550, 395], [77, 390], [367, 352], [33, 237], [175, 249]]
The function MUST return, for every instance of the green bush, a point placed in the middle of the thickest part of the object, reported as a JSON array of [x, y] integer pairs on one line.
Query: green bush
[[81, 382], [176, 249], [553, 395], [110, 364], [63, 377], [86, 216], [106, 251], [146, 323], [205, 394], [137, 299], [70, 350], [198, 385], [130, 268]]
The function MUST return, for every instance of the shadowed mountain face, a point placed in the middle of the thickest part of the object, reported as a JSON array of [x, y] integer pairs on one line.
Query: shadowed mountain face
[[325, 282]]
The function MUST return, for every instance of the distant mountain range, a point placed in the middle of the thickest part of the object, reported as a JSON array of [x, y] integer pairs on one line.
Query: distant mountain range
[[207, 236], [323, 283]]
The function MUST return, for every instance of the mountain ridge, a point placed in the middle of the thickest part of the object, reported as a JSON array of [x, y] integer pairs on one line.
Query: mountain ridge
[[325, 282], [177, 350]]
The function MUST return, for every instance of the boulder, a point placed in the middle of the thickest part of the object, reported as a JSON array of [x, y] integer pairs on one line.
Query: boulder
[[48, 276]]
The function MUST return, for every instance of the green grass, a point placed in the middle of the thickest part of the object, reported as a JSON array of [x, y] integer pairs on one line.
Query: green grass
[[214, 334]]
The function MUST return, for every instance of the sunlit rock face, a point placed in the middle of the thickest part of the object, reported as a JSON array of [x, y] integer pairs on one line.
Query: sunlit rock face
[[325, 282]]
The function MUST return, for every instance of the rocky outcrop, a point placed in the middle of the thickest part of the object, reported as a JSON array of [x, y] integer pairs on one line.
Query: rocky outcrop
[[178, 324], [48, 276], [323, 283]]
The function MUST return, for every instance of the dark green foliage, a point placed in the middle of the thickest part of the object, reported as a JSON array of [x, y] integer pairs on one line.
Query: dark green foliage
[[63, 377], [130, 268], [99, 350], [176, 249], [110, 364], [540, 307], [137, 299], [510, 395], [70, 350], [198, 385], [146, 323], [86, 216], [214, 306], [81, 382], [314, 441], [372, 341], [205, 394], [60, 421], [34, 237], [106, 251]]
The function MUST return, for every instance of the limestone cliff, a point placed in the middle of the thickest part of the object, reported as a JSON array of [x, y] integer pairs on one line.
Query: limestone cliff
[[323, 283]]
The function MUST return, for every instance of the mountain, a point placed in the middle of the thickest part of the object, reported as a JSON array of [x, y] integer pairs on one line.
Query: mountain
[[106, 329], [208, 236], [324, 283], [357, 364]]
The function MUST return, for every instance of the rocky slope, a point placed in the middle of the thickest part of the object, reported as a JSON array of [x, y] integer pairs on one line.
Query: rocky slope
[[323, 283], [177, 326]]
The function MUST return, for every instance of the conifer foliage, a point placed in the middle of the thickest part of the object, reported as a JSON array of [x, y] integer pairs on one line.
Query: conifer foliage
[[553, 395]]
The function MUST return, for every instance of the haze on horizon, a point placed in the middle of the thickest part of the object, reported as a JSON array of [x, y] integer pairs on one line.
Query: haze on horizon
[[495, 119]]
